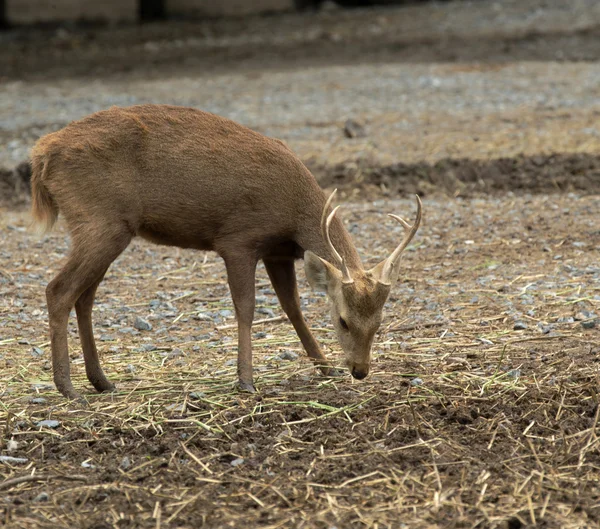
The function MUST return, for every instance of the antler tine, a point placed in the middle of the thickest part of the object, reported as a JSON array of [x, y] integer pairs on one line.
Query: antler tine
[[400, 220], [324, 214], [328, 237], [412, 230], [326, 221]]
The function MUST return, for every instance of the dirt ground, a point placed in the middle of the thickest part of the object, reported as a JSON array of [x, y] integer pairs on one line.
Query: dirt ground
[[482, 407]]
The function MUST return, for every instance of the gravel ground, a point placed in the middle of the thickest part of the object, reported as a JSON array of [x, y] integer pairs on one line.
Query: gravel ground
[[482, 408], [520, 97]]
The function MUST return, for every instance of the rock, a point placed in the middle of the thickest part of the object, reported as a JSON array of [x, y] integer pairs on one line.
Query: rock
[[10, 460], [266, 311], [42, 496], [12, 445], [148, 347], [353, 129], [36, 351], [38, 400], [42, 387], [416, 382], [141, 324], [588, 324], [125, 463], [231, 362], [289, 355], [107, 338], [514, 373], [48, 423], [237, 462], [175, 353], [584, 315], [197, 395], [203, 316], [567, 319], [519, 325]]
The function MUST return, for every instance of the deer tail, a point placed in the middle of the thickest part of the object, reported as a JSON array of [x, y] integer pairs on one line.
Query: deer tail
[[43, 207]]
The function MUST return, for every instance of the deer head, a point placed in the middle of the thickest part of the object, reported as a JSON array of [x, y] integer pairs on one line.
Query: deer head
[[357, 296]]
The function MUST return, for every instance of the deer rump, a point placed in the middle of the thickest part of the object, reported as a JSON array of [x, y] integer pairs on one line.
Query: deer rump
[[183, 177]]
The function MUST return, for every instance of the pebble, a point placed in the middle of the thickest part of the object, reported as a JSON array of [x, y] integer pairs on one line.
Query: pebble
[[175, 353], [41, 387], [48, 423], [141, 324], [125, 463], [203, 316], [416, 381], [584, 315], [10, 460], [289, 355], [237, 462], [354, 129], [38, 400], [42, 496], [519, 325], [36, 351]]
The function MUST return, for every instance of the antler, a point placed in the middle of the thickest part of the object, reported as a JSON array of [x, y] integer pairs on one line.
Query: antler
[[325, 224], [392, 260]]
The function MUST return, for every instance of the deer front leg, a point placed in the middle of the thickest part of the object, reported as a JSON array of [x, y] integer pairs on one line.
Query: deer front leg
[[283, 277], [241, 272]]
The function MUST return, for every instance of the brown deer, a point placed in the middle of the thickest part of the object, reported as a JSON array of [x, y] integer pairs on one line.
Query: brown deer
[[182, 177]]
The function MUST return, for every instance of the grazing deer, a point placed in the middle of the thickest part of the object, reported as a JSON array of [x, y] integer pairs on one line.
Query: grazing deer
[[182, 177]]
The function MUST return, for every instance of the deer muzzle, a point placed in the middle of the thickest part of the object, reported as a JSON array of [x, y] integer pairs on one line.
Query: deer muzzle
[[359, 371]]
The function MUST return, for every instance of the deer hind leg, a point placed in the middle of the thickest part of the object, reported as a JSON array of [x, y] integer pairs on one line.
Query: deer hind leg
[[83, 307], [283, 278], [93, 250], [241, 273]]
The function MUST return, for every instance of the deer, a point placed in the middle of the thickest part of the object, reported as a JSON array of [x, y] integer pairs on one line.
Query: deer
[[183, 177]]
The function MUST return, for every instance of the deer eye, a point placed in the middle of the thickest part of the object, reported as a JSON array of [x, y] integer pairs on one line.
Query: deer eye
[[343, 323]]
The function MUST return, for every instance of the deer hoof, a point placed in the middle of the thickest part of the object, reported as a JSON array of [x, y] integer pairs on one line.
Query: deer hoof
[[102, 385], [331, 372], [246, 387]]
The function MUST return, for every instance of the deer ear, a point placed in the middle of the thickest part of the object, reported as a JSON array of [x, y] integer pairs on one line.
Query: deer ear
[[376, 271], [319, 272]]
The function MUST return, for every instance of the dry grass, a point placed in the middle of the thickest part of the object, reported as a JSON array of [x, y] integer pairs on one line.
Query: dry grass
[[502, 431]]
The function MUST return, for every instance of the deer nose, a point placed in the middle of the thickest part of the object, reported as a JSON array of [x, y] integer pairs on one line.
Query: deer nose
[[360, 371]]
